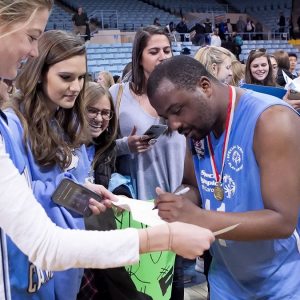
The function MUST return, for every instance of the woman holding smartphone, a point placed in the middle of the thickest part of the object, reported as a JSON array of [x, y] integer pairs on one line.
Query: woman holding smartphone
[[148, 165], [22, 217]]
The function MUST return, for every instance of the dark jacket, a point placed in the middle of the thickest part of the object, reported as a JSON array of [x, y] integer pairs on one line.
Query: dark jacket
[[181, 27], [280, 79]]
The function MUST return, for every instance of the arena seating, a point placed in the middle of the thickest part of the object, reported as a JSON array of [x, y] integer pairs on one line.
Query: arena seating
[[114, 57], [179, 6], [59, 19], [131, 14], [267, 12], [134, 13]]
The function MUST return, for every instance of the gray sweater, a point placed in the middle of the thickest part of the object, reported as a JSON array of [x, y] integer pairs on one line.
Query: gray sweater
[[162, 165]]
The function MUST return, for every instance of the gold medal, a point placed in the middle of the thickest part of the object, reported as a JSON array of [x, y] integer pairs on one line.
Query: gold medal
[[218, 191]]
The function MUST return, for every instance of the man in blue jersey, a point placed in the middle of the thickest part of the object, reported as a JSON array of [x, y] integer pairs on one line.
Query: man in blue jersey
[[242, 147]]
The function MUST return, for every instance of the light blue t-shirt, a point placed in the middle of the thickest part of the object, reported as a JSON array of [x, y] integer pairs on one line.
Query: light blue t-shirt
[[26, 280]]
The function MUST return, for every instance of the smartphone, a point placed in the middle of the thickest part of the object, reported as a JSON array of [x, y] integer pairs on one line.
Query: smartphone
[[155, 131], [74, 196]]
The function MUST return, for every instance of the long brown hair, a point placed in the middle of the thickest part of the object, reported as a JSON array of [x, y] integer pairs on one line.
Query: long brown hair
[[269, 80], [139, 44], [52, 138]]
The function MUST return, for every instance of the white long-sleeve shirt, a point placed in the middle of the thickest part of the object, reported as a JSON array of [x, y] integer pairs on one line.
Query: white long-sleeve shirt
[[48, 246]]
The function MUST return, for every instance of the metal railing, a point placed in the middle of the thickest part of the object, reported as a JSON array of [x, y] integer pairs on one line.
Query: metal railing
[[105, 19]]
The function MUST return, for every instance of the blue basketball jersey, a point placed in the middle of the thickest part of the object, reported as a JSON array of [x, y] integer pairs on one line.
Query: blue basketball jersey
[[266, 269]]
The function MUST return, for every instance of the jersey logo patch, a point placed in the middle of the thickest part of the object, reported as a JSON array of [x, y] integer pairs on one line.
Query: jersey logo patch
[[235, 156]]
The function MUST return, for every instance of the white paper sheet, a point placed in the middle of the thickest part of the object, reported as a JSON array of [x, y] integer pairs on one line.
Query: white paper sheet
[[291, 84], [141, 211]]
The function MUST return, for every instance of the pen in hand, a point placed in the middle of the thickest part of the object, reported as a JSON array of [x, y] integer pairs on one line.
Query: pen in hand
[[181, 192]]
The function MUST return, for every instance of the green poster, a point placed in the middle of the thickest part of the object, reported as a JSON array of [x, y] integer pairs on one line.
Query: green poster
[[153, 274]]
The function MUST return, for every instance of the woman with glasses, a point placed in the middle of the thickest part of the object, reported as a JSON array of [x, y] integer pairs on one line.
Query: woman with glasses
[[259, 69], [111, 283]]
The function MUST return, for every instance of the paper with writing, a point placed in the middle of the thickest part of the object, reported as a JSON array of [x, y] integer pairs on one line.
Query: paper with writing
[[142, 211]]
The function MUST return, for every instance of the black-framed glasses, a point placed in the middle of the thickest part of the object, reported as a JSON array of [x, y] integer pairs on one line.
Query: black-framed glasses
[[93, 113], [262, 50]]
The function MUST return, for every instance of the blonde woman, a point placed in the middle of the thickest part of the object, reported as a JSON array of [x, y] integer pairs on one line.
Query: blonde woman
[[238, 73], [105, 79], [217, 61]]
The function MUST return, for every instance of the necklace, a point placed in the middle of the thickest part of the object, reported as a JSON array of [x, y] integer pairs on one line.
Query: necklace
[[218, 189]]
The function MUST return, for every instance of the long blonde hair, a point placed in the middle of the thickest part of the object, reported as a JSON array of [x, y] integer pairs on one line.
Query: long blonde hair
[[12, 11], [108, 79], [238, 72], [210, 55]]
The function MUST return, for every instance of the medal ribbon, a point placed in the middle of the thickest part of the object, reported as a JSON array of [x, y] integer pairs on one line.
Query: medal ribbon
[[229, 118]]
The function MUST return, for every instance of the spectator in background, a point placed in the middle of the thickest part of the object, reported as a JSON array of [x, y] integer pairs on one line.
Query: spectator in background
[[291, 27], [281, 22], [293, 63], [258, 30], [215, 38], [240, 25], [208, 30], [229, 29], [181, 27], [249, 28], [217, 61], [156, 22], [222, 30], [283, 62], [238, 73], [80, 21], [238, 42], [106, 79], [199, 36], [274, 66], [259, 69]]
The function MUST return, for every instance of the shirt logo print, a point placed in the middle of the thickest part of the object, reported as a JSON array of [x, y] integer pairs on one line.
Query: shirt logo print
[[235, 156]]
